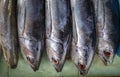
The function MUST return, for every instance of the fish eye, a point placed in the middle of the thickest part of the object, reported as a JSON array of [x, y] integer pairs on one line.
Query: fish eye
[[37, 48]]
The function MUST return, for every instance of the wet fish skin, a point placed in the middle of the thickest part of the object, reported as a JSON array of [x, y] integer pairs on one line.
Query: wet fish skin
[[31, 26], [83, 42], [107, 28], [58, 31], [8, 32]]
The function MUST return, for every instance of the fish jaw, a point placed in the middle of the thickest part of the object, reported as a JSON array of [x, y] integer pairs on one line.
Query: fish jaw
[[82, 59], [57, 63], [30, 59], [32, 52], [55, 54], [105, 51], [10, 57]]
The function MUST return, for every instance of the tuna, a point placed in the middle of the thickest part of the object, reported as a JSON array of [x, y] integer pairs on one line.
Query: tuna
[[83, 42], [58, 31], [31, 28], [107, 22], [8, 31]]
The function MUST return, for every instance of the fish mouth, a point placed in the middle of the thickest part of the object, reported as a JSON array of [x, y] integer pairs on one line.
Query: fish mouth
[[106, 58], [107, 54], [82, 66], [34, 65], [105, 51], [31, 60], [35, 68], [57, 65], [82, 69], [55, 61], [11, 60]]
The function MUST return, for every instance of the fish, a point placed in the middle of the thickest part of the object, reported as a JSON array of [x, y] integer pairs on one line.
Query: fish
[[58, 31], [107, 23], [8, 32], [31, 30], [83, 41]]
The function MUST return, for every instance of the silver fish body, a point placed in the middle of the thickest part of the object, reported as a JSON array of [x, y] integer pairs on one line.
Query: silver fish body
[[107, 22], [58, 31], [8, 31], [83, 42], [31, 28]]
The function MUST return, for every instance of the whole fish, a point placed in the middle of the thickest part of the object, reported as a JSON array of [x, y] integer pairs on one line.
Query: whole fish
[[107, 28], [8, 31], [83, 43], [31, 28], [58, 31]]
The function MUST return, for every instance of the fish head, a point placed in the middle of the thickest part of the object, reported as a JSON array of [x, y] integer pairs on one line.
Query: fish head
[[56, 63], [106, 51], [83, 58], [55, 52], [31, 50]]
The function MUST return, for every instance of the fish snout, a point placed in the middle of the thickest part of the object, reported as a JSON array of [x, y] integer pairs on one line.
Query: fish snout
[[82, 69], [107, 56], [82, 66], [106, 52], [57, 64], [55, 61], [31, 59], [33, 63]]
